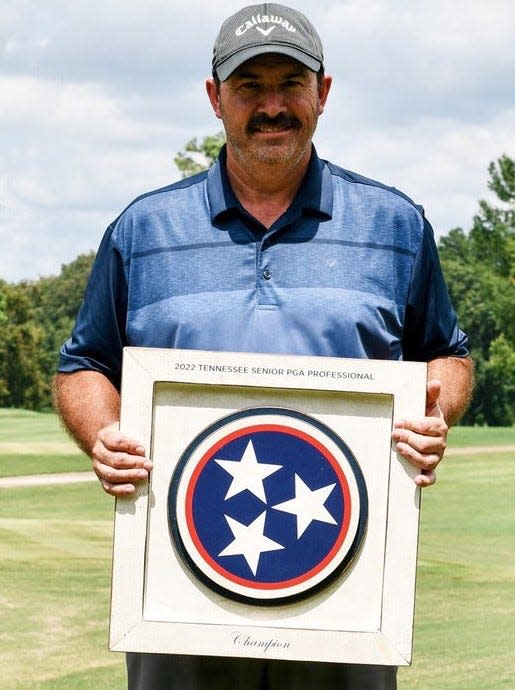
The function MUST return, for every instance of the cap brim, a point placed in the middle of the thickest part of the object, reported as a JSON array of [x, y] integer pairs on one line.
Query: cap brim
[[226, 68]]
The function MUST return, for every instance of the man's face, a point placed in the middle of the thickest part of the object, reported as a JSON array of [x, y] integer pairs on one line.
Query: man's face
[[270, 107]]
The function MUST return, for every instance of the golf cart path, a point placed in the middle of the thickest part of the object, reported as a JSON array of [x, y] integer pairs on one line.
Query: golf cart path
[[46, 479], [479, 450], [77, 477]]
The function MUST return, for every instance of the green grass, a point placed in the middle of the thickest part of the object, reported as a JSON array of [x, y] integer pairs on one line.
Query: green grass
[[470, 436], [23, 425], [465, 616], [75, 502], [12, 465], [55, 565], [54, 582], [35, 443]]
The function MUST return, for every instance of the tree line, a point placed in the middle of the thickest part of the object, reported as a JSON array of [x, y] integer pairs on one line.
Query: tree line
[[36, 317], [479, 267]]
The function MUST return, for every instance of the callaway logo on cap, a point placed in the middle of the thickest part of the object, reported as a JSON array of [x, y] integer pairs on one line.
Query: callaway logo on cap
[[266, 28]]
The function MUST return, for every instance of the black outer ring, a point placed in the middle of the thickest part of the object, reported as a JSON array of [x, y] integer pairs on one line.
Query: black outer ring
[[172, 504]]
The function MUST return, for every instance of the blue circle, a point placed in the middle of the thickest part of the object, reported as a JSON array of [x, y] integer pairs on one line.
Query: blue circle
[[210, 506], [297, 457]]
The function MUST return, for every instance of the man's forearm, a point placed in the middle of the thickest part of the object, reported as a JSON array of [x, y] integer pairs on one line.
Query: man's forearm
[[89, 406], [456, 375], [86, 402]]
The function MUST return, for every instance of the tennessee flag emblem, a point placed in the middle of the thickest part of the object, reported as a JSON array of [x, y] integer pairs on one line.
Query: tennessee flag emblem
[[267, 505]]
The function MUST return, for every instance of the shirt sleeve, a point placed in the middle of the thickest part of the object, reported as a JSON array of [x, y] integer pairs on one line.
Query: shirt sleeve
[[98, 337], [431, 325]]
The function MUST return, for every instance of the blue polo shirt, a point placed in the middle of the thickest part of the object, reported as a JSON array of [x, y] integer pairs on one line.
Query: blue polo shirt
[[349, 270]]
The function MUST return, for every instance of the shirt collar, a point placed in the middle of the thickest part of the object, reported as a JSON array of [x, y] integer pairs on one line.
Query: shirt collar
[[315, 194]]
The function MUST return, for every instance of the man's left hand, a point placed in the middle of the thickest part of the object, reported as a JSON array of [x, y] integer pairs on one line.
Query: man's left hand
[[423, 441]]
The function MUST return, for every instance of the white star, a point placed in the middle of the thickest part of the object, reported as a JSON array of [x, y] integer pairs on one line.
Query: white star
[[247, 473], [308, 505], [249, 541]]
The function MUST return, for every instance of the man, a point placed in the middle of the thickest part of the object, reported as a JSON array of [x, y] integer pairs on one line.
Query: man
[[272, 250]]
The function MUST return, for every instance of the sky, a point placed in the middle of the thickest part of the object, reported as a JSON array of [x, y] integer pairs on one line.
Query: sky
[[96, 99]]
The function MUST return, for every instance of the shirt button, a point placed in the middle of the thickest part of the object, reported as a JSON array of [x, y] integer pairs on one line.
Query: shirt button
[[267, 274]]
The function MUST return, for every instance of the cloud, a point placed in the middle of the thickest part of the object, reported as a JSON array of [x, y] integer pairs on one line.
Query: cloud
[[97, 98], [140, 46], [438, 162], [72, 159], [399, 60]]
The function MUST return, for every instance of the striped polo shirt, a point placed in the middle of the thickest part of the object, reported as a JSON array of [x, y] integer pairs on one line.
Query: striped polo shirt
[[349, 270]]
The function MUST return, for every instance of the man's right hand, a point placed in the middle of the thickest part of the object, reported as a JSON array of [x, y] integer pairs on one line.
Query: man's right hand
[[119, 461]]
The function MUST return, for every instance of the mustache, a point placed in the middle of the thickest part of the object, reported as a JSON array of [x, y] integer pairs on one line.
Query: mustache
[[281, 121]]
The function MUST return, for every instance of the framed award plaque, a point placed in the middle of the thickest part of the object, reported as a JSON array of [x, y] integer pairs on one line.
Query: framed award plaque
[[278, 522]]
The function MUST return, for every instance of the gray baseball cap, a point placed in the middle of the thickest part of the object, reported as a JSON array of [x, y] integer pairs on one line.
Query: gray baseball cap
[[266, 28]]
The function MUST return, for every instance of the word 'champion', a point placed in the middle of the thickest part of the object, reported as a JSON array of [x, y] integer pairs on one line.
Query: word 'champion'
[[242, 640]]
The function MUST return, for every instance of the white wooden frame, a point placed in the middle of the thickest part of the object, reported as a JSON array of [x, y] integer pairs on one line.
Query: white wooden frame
[[147, 620]]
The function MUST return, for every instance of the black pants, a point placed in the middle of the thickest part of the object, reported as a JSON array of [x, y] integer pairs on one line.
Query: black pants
[[173, 672]]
